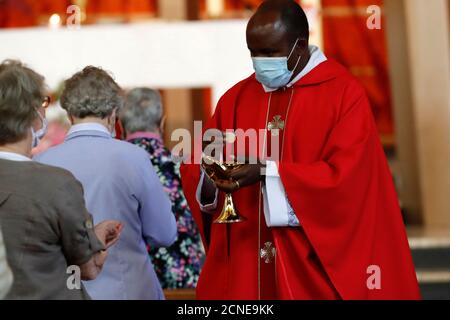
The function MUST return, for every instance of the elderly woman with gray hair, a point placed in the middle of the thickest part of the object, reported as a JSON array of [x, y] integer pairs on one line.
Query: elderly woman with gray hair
[[46, 227], [142, 118], [119, 183]]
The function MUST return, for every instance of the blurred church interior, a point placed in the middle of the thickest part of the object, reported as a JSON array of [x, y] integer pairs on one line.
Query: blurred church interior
[[194, 50]]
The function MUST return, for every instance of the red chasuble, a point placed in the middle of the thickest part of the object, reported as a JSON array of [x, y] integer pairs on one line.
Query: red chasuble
[[352, 242]]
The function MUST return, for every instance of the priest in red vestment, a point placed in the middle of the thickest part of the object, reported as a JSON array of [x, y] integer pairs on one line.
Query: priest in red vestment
[[323, 221]]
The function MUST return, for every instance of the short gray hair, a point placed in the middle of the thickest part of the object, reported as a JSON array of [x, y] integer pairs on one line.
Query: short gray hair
[[21, 95], [91, 92], [143, 110]]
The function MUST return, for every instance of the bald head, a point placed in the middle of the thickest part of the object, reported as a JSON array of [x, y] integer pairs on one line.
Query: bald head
[[279, 28], [280, 16]]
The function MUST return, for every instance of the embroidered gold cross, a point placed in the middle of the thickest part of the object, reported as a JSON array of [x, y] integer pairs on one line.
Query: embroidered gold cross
[[276, 125], [268, 252]]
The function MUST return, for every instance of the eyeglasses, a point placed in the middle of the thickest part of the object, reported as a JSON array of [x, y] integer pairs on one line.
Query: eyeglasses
[[46, 102]]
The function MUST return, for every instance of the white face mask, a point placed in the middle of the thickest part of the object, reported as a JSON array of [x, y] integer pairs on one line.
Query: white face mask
[[40, 134]]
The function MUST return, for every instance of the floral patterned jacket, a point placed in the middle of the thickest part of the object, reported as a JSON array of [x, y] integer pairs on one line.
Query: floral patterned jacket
[[178, 266]]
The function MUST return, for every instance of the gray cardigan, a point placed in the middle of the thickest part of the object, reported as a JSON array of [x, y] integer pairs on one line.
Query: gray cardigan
[[46, 228], [6, 277]]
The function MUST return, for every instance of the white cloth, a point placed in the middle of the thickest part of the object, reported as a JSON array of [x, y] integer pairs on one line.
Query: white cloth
[[206, 207], [13, 156], [278, 211], [277, 208]]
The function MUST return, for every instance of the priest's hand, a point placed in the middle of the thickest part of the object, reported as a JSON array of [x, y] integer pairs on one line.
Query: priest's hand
[[213, 150], [247, 175], [227, 186]]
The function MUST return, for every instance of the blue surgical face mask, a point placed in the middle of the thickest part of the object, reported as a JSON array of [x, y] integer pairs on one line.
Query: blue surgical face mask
[[40, 134], [274, 72]]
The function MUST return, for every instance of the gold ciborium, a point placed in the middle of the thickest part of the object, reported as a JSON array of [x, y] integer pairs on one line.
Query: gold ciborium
[[217, 170]]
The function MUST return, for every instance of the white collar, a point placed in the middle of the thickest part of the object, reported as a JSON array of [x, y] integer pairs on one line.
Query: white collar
[[91, 126], [12, 156], [317, 57]]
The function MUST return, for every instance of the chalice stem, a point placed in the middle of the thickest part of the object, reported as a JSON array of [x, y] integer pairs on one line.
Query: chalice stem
[[229, 213]]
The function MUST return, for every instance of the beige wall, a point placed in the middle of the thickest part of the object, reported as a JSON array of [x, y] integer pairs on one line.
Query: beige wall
[[421, 85], [178, 112], [172, 9], [407, 166], [178, 104]]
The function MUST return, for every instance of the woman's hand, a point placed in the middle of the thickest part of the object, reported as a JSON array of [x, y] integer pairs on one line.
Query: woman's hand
[[108, 232]]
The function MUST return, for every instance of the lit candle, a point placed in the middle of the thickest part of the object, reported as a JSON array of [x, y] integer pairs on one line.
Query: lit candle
[[215, 8], [55, 21]]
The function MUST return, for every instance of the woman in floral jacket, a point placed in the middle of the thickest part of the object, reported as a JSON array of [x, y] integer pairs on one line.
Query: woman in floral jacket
[[178, 266]]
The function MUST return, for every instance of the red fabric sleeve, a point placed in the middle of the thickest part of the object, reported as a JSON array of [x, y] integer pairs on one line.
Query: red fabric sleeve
[[349, 210]]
